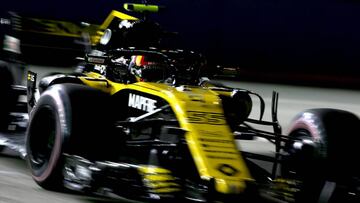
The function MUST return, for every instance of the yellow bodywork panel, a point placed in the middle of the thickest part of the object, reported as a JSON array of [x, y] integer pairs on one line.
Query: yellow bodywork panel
[[159, 180], [166, 190], [153, 170], [56, 27], [209, 138], [115, 14]]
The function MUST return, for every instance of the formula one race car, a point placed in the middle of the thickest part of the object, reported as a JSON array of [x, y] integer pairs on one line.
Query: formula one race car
[[133, 124], [144, 124]]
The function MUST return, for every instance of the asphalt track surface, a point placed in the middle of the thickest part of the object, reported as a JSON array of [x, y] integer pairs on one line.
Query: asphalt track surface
[[16, 185]]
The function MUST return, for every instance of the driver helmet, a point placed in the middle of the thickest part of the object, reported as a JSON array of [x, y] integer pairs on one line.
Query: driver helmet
[[147, 69]]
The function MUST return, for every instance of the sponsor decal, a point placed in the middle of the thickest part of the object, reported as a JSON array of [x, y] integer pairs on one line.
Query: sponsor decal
[[141, 103], [96, 60], [227, 169]]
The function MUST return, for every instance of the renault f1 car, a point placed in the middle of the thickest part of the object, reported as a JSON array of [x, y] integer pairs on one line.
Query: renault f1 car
[[142, 123]]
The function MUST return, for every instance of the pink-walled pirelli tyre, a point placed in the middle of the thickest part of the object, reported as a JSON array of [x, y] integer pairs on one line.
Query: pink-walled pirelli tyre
[[68, 118], [326, 150]]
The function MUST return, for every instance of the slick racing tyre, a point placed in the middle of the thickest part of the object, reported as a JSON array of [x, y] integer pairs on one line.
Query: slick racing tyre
[[8, 97], [68, 118], [327, 139]]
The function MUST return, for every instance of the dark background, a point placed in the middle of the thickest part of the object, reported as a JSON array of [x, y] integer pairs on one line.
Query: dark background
[[296, 37]]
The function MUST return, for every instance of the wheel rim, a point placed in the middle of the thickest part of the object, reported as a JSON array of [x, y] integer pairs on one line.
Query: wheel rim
[[299, 152], [42, 138]]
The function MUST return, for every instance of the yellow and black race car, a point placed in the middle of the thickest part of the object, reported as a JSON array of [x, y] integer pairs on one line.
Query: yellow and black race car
[[141, 122]]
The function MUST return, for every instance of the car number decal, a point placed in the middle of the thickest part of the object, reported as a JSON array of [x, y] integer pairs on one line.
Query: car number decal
[[199, 117]]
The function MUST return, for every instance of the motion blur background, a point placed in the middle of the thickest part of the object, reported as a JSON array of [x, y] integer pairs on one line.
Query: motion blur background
[[299, 41], [307, 42]]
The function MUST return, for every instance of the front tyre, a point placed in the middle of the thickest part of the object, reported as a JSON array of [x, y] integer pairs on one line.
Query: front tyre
[[49, 126], [65, 120], [326, 140]]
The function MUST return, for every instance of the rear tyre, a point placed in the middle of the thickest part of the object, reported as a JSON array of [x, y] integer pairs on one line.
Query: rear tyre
[[66, 119], [327, 139]]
